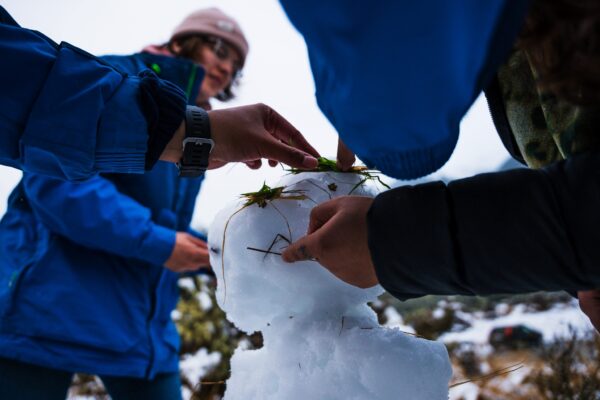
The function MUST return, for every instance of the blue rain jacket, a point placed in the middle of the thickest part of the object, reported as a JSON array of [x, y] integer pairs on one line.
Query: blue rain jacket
[[82, 286], [65, 113], [395, 78]]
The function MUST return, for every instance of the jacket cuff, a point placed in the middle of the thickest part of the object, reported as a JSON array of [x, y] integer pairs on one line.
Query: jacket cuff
[[411, 242], [411, 164], [163, 105], [158, 245]]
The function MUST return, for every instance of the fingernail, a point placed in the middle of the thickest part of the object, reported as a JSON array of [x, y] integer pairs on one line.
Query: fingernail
[[310, 162]]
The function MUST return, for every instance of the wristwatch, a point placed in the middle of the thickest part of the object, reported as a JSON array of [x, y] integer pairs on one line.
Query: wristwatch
[[197, 144]]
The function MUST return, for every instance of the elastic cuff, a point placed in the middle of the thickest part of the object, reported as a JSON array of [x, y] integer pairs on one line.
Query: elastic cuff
[[158, 245], [163, 105], [412, 164]]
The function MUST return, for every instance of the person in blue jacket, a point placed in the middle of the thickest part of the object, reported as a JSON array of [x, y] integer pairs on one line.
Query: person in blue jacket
[[88, 270], [67, 114]]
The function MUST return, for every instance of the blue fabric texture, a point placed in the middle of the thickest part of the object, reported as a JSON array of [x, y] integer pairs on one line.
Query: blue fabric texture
[[64, 112], [396, 78], [82, 285]]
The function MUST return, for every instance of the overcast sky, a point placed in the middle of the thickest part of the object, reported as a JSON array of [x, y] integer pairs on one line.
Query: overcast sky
[[276, 73]]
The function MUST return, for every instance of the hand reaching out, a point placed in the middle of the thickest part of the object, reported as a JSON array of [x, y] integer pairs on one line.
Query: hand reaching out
[[189, 254], [337, 238], [248, 134]]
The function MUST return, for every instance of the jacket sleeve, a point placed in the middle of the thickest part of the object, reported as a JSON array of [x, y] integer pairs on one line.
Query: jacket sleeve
[[509, 232], [395, 78], [67, 114], [95, 214]]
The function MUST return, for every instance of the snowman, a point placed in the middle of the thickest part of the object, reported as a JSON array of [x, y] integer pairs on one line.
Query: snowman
[[321, 339]]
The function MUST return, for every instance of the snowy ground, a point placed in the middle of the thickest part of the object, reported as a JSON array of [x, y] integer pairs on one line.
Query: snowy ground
[[554, 323]]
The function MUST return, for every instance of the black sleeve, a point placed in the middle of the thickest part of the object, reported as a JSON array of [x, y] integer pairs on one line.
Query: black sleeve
[[509, 232]]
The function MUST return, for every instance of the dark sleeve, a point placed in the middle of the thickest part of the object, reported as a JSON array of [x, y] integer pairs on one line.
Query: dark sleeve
[[509, 232]]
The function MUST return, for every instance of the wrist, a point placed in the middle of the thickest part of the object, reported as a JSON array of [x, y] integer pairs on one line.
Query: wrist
[[197, 144], [174, 150]]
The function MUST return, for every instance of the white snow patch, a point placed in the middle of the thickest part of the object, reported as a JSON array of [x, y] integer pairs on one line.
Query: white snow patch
[[195, 366], [554, 323], [186, 283], [204, 301]]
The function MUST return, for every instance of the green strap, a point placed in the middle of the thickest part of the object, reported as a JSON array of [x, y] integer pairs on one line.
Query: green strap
[[191, 81]]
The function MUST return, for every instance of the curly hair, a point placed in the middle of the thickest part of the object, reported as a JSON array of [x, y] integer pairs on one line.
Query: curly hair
[[562, 40], [189, 48]]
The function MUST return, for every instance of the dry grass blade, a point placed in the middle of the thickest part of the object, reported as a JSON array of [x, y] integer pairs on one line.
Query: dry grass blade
[[212, 383], [502, 371], [327, 165]]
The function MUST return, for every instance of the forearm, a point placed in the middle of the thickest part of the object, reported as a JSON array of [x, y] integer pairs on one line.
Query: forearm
[[509, 232]]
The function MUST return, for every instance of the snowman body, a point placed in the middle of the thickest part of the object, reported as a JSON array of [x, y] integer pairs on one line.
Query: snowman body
[[321, 340]]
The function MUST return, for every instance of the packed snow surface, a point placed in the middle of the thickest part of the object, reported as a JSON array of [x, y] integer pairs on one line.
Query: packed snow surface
[[321, 340]]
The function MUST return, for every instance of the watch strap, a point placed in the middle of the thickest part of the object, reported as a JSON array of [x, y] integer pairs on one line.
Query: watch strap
[[197, 144]]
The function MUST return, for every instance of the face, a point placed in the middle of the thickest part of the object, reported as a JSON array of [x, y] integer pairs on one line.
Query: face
[[221, 62]]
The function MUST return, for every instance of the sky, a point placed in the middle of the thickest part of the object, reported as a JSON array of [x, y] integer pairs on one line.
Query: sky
[[276, 73]]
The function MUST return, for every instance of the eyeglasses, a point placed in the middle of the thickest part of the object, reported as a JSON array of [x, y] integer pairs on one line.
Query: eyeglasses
[[225, 53]]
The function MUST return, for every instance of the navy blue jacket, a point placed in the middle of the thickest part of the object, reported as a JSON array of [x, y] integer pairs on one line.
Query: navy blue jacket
[[67, 114], [82, 285]]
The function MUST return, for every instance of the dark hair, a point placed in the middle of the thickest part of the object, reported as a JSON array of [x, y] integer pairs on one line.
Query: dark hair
[[189, 48], [562, 40]]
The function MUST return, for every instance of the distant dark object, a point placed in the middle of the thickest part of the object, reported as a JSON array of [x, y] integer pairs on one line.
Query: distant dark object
[[514, 337]]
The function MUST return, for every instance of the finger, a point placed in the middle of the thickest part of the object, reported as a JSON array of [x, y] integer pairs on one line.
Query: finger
[[280, 128], [254, 164], [275, 150], [273, 163], [345, 156], [304, 248], [196, 241], [320, 214], [199, 258]]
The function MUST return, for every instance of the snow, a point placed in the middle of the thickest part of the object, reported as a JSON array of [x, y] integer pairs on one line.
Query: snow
[[195, 366], [321, 340], [554, 323], [204, 301], [466, 391], [395, 320]]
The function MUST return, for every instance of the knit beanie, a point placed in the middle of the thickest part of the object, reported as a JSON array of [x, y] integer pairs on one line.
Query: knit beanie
[[214, 22]]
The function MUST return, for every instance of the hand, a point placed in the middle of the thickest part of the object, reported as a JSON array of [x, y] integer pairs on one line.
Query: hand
[[189, 254], [337, 238], [345, 156], [589, 301], [250, 133]]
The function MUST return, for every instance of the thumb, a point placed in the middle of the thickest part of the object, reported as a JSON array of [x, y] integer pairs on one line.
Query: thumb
[[321, 214], [305, 248], [345, 156]]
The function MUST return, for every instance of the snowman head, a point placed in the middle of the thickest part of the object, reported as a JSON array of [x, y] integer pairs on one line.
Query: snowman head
[[255, 286]]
